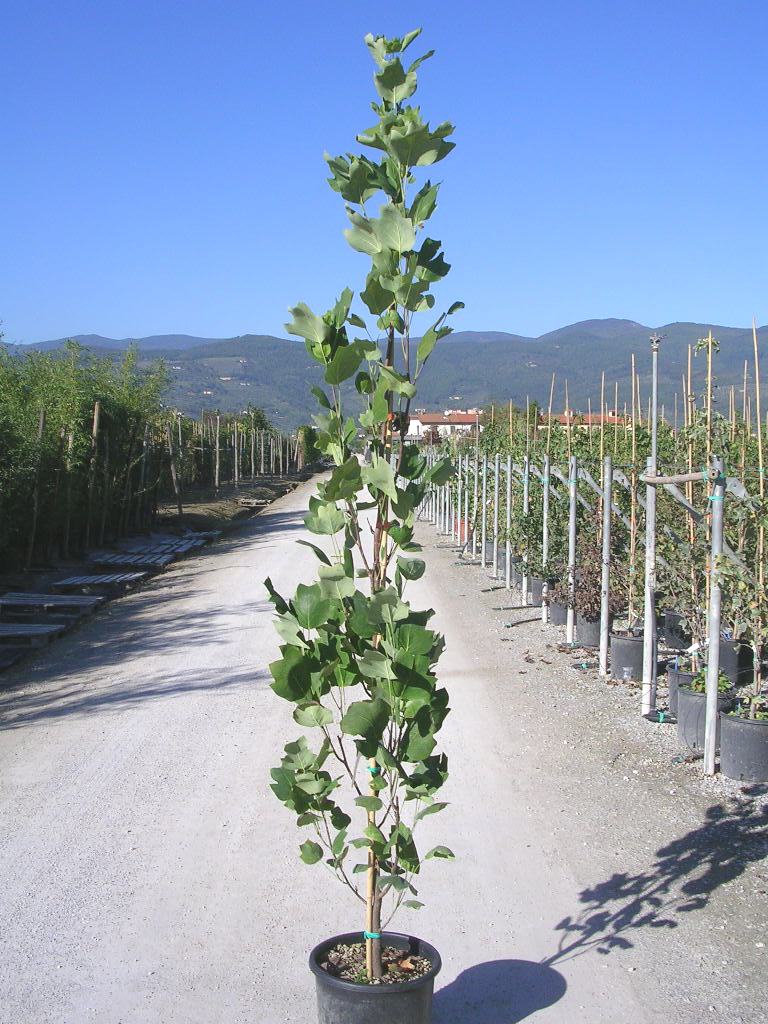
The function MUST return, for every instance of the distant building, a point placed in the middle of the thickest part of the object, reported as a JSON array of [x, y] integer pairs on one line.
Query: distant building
[[451, 421], [225, 378]]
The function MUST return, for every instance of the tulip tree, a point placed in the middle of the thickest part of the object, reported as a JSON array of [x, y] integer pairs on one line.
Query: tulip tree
[[357, 661]]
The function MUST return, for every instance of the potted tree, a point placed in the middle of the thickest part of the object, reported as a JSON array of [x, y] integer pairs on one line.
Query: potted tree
[[692, 710], [744, 731], [587, 591], [357, 660]]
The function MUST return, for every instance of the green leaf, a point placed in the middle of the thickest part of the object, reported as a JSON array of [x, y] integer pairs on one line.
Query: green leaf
[[376, 297], [344, 363], [312, 609], [431, 809], [411, 568], [312, 715], [366, 718], [424, 203], [379, 477], [306, 324], [291, 674], [369, 803], [441, 472], [280, 604], [375, 835], [375, 665], [394, 231], [361, 236], [318, 551], [346, 480], [393, 83], [441, 852], [454, 307], [324, 517], [311, 852], [334, 582], [321, 396], [411, 904]]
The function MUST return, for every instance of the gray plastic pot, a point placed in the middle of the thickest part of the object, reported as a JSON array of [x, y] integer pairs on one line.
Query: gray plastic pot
[[744, 748], [676, 677], [626, 653], [588, 631], [676, 637], [692, 714], [736, 661], [536, 588], [558, 614], [344, 1002]]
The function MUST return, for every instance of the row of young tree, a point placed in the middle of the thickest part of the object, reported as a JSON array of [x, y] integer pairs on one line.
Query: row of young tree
[[683, 531], [88, 450]]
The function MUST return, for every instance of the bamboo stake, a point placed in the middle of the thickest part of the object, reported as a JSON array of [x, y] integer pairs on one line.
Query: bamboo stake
[[36, 490], [92, 470], [568, 421], [174, 473], [761, 468], [549, 413]]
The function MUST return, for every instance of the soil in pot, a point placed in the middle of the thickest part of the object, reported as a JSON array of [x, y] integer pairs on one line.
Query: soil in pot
[[675, 635], [691, 716], [626, 656], [744, 748], [676, 677], [558, 614], [405, 999], [736, 661]]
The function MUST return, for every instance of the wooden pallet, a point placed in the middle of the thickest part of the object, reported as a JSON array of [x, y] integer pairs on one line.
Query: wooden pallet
[[26, 603], [117, 579], [156, 560], [32, 633]]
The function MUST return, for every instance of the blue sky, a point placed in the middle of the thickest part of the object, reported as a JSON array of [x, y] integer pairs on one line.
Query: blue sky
[[162, 161]]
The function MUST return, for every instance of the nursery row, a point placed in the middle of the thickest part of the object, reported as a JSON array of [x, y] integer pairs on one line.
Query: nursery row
[[660, 574], [88, 450]]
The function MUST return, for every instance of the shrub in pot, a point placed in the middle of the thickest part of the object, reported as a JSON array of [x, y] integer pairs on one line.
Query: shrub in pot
[[691, 708], [357, 661], [744, 733], [587, 591], [559, 599]]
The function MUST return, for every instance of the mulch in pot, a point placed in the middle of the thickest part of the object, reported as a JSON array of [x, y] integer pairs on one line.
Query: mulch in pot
[[348, 963]]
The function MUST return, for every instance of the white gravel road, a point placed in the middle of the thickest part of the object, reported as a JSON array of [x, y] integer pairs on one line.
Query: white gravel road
[[150, 877]]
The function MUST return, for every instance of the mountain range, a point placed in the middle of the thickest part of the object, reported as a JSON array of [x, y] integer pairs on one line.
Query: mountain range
[[468, 368]]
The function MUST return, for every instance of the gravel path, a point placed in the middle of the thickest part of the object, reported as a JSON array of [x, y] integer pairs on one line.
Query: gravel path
[[150, 877]]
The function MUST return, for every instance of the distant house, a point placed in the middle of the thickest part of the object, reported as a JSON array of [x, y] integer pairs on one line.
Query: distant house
[[207, 392], [451, 421], [225, 378]]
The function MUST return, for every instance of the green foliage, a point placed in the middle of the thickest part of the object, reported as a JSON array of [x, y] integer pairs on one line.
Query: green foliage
[[357, 660]]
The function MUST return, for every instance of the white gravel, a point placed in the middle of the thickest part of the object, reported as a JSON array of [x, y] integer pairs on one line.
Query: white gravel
[[150, 877]]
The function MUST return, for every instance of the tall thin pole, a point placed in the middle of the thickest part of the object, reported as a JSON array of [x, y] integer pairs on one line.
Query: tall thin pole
[[508, 524], [605, 579], [649, 604], [717, 500], [570, 621]]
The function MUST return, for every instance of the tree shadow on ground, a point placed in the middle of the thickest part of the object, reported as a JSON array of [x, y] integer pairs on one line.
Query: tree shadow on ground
[[683, 877], [498, 992], [681, 880]]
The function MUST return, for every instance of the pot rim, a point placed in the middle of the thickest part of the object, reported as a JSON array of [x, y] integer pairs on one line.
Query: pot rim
[[428, 950], [721, 695], [736, 716]]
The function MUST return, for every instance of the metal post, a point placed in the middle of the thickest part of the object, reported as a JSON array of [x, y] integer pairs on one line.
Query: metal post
[[476, 483], [484, 531], [605, 582], [508, 542], [570, 621], [649, 604], [545, 532], [496, 468], [457, 519], [526, 508], [466, 500], [716, 500]]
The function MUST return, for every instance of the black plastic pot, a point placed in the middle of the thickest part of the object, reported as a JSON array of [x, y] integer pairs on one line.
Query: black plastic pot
[[588, 631], [691, 716], [626, 652], [344, 1002], [676, 677], [744, 748], [558, 614], [674, 634], [736, 661]]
